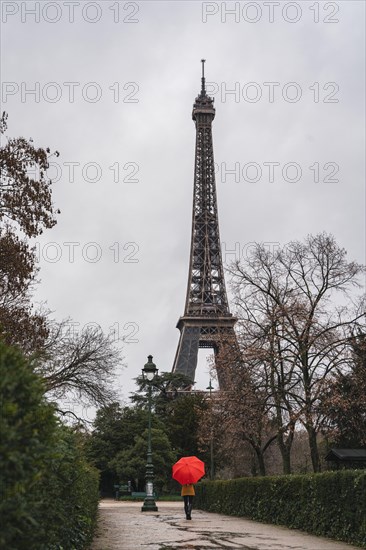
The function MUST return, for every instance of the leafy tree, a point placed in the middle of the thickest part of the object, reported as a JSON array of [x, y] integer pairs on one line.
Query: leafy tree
[[165, 388], [344, 400], [25, 210], [115, 430], [19, 324], [130, 464], [176, 408], [182, 424], [117, 444], [25, 189], [105, 441]]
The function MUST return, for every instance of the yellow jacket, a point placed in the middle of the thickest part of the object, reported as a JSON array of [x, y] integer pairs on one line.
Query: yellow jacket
[[187, 490]]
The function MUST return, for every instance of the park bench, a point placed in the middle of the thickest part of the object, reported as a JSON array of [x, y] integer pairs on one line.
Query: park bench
[[123, 491], [142, 494]]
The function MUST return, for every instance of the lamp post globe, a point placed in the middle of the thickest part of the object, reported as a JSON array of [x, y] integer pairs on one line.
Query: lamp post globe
[[149, 372]]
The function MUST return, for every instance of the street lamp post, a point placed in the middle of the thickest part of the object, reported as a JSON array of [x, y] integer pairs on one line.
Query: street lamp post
[[149, 505], [212, 474]]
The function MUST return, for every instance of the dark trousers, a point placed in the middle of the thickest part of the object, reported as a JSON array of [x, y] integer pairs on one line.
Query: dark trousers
[[188, 501]]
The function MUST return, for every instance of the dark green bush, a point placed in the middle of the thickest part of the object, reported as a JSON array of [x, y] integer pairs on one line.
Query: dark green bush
[[68, 497], [48, 492], [332, 504], [28, 426]]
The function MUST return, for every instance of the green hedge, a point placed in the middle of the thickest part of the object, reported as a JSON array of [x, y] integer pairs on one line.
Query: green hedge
[[66, 498], [331, 504], [48, 492]]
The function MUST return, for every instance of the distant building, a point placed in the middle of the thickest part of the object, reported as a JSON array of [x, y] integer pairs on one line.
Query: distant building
[[347, 458]]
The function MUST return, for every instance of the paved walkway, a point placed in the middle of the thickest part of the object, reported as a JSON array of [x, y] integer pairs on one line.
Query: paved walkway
[[123, 526]]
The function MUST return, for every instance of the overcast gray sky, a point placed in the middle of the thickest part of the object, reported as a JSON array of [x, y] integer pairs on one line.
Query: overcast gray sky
[[113, 87]]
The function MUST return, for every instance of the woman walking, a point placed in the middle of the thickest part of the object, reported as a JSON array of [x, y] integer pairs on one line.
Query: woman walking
[[188, 493], [188, 470]]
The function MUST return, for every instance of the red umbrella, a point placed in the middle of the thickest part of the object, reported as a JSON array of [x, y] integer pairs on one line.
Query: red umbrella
[[188, 469]]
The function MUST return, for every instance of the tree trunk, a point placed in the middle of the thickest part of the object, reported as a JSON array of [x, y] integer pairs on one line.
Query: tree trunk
[[261, 465], [285, 445], [285, 454], [314, 452]]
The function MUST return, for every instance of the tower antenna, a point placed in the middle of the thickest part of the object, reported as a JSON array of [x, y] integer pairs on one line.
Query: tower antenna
[[203, 87]]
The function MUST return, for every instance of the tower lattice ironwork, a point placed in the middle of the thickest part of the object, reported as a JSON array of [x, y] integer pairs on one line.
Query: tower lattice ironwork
[[207, 321]]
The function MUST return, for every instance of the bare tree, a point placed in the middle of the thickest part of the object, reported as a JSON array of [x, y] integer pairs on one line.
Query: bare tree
[[81, 366], [268, 356], [243, 410], [302, 297]]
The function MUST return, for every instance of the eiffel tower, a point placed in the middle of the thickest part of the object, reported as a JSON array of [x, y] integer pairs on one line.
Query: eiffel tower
[[207, 321]]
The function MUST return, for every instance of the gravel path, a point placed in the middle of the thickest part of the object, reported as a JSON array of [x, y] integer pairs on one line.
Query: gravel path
[[123, 526]]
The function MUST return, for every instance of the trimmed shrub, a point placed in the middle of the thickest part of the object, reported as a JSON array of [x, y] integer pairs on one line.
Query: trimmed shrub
[[27, 425], [49, 494], [330, 504], [67, 498]]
